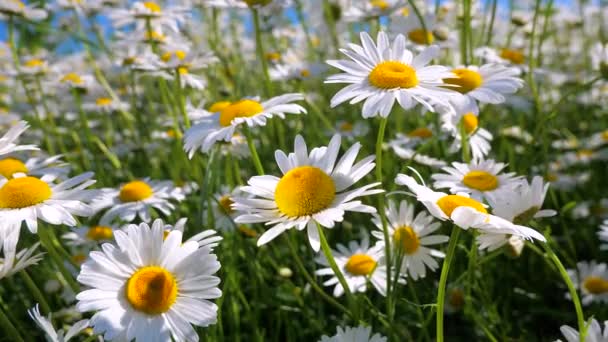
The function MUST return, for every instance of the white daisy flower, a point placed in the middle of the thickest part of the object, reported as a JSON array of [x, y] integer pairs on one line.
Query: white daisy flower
[[464, 212], [243, 4], [597, 140], [27, 198], [137, 198], [480, 179], [358, 334], [382, 74], [404, 146], [603, 235], [18, 8], [105, 104], [365, 10], [89, 235], [599, 58], [486, 84], [522, 203], [359, 264], [591, 278], [313, 189], [207, 238], [53, 335], [351, 130], [223, 212], [594, 332], [222, 125], [39, 166], [73, 80], [478, 138], [7, 142], [12, 261], [140, 12], [148, 288], [184, 62], [410, 236]]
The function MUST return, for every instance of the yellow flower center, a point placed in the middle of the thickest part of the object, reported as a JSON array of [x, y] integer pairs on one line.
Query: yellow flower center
[[456, 298], [152, 290], [421, 132], [156, 36], [183, 70], [243, 108], [34, 62], [605, 135], [360, 265], [470, 122], [152, 6], [79, 258], [180, 54], [10, 166], [420, 36], [305, 73], [393, 74], [407, 238], [135, 191], [466, 79], [480, 180], [247, 231], [103, 101], [218, 106], [595, 285], [19, 4], [304, 191], [24, 192], [551, 177], [580, 154], [72, 78], [226, 204], [100, 233], [405, 11], [346, 127], [513, 56], [257, 2], [273, 56], [380, 4], [450, 202]]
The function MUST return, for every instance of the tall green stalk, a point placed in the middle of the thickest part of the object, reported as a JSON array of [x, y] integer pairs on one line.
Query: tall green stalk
[[445, 269]]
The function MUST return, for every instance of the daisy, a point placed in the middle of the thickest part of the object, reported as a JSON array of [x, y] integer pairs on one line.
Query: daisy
[[7, 142], [149, 288], [358, 334], [359, 264], [207, 238], [28, 198], [73, 80], [13, 261], [89, 235], [222, 125], [594, 332], [53, 335], [480, 179], [466, 116], [39, 166], [365, 10], [603, 235], [599, 58], [464, 212], [350, 130], [312, 190], [183, 62], [410, 236], [17, 8], [404, 146], [591, 279], [137, 198], [149, 11], [223, 213], [485, 84], [106, 105], [382, 74]]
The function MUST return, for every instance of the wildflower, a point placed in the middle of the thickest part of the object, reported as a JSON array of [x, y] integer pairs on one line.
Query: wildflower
[[13, 261], [18, 8], [358, 334], [7, 142], [53, 335], [591, 278], [594, 332]]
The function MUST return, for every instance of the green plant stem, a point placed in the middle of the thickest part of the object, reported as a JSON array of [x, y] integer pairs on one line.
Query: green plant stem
[[48, 245], [382, 213], [464, 142], [582, 329], [331, 23], [259, 47], [31, 285], [254, 152], [445, 269], [181, 103], [9, 329]]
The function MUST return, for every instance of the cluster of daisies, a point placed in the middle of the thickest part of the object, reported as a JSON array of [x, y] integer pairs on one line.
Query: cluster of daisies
[[181, 101]]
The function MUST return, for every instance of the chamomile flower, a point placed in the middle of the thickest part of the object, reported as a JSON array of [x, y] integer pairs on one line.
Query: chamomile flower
[[17, 8], [594, 332], [222, 125], [137, 198], [406, 146], [150, 11], [368, 9], [599, 58], [350, 130], [149, 287], [478, 178], [73, 80], [359, 264], [37, 166], [312, 190], [383, 73], [207, 238], [466, 116], [12, 261], [52, 335], [410, 236], [358, 334], [104, 104], [523, 202], [464, 211], [603, 235], [7, 142], [488, 83], [27, 199], [591, 278], [89, 235], [183, 62], [223, 213]]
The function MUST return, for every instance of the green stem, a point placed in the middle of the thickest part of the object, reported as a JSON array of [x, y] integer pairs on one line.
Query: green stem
[[259, 46], [582, 329], [254, 152], [382, 213], [464, 142], [9, 329], [331, 23], [48, 245], [31, 285], [445, 269], [180, 98]]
